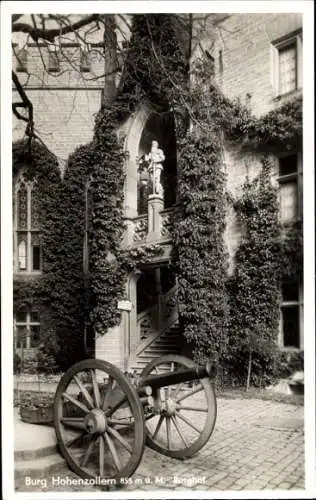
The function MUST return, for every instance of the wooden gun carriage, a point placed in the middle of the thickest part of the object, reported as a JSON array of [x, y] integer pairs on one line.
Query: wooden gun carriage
[[103, 420]]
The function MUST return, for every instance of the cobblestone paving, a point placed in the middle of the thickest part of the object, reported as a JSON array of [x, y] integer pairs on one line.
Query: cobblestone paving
[[256, 445]]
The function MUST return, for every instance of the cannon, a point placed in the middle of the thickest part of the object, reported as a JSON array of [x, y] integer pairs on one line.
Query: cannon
[[103, 419]]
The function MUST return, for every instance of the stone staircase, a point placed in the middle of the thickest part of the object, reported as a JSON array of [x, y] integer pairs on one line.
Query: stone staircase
[[168, 341]]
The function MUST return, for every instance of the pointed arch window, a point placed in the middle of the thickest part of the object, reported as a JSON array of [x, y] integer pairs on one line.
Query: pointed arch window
[[27, 237]]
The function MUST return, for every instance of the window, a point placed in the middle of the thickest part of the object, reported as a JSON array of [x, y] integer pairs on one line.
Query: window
[[27, 241], [287, 65], [85, 62], [53, 61], [27, 328], [290, 188], [291, 324], [287, 69], [21, 58]]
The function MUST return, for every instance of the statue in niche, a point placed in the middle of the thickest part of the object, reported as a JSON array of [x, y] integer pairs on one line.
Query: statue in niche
[[155, 158]]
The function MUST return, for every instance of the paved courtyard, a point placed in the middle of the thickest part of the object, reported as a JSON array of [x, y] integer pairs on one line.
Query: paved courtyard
[[256, 445]]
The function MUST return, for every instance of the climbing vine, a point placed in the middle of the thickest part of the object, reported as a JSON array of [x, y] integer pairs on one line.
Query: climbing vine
[[149, 61], [254, 289], [106, 275], [38, 163], [156, 73], [200, 248], [292, 252], [281, 127], [69, 296]]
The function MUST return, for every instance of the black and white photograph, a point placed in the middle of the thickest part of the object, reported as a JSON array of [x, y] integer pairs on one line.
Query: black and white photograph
[[157, 196]]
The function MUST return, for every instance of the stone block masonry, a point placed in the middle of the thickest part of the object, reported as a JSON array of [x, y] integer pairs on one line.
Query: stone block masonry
[[245, 46], [64, 118]]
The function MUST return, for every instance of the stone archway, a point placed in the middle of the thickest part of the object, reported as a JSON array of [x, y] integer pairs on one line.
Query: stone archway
[[133, 130], [140, 130], [160, 127]]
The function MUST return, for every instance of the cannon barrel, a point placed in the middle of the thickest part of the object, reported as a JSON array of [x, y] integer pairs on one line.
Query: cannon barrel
[[183, 375]]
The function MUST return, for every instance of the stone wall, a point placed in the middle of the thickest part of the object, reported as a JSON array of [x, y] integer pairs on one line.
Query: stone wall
[[245, 42]]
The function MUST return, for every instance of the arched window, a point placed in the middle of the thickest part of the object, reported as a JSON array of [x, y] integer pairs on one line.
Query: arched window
[[27, 328], [27, 241]]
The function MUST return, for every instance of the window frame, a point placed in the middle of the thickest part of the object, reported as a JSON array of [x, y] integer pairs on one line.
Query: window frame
[[85, 61], [29, 231], [293, 176], [299, 303], [27, 324], [280, 44], [53, 63]]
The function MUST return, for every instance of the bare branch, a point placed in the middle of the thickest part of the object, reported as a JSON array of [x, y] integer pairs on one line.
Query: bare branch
[[16, 113], [50, 34], [26, 104], [15, 17]]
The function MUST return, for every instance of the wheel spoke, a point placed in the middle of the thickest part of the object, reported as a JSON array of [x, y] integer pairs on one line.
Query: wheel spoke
[[101, 455], [148, 417], [113, 451], [118, 436], [73, 422], [88, 452], [77, 403], [191, 393], [95, 389], [84, 391], [191, 408], [168, 423], [72, 441], [158, 426], [178, 430], [99, 422], [107, 394], [188, 422], [184, 434], [116, 407]]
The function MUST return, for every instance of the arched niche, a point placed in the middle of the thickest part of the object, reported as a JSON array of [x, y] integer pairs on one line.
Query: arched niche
[[141, 129]]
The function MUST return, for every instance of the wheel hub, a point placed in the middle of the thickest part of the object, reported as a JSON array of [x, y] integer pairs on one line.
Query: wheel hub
[[170, 407], [95, 422]]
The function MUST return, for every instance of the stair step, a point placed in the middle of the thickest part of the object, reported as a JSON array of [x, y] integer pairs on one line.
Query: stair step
[[35, 454], [163, 345], [169, 342], [38, 467], [156, 353]]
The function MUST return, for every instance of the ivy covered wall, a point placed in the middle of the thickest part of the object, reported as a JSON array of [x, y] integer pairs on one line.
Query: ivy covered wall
[[254, 288], [37, 292], [213, 311]]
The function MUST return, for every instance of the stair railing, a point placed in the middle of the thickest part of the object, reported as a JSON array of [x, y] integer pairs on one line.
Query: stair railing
[[169, 311], [172, 320]]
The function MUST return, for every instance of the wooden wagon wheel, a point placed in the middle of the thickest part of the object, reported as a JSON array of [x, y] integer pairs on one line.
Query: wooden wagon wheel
[[99, 422], [184, 415]]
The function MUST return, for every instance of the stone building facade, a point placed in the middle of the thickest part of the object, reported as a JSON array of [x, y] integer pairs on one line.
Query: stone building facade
[[257, 58]]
